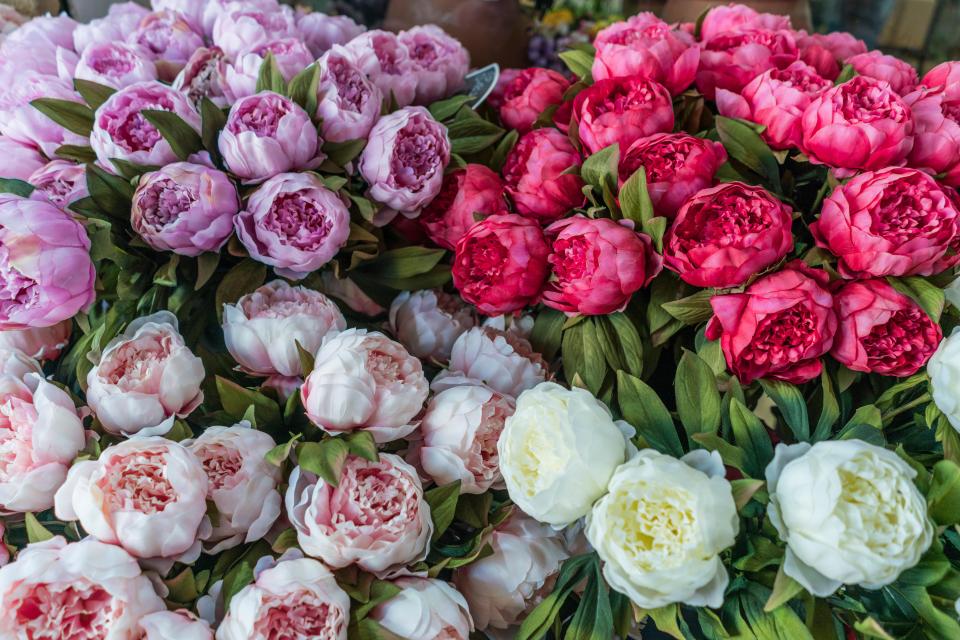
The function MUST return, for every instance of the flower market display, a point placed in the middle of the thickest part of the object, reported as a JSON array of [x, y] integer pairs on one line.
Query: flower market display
[[302, 338]]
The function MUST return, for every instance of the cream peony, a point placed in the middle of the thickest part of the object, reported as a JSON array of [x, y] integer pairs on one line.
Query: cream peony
[[425, 609], [849, 513], [944, 371], [662, 526], [502, 360], [558, 451], [428, 322]]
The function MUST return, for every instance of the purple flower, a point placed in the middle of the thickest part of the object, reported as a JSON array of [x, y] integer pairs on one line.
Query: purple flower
[[169, 39], [115, 64], [320, 31], [120, 21], [348, 103], [22, 122], [294, 223], [240, 28], [60, 182], [441, 61], [291, 55], [40, 45], [386, 61]]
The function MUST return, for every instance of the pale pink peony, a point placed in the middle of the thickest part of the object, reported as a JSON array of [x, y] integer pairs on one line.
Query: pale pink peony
[[42, 343], [440, 61], [386, 61], [376, 518], [320, 31], [241, 27], [115, 64], [900, 74], [425, 609], [60, 182], [297, 598], [174, 625], [18, 160], [22, 122], [240, 77], [348, 102], [10, 20], [145, 377], [121, 20], [48, 42], [169, 39], [17, 364], [502, 360], [77, 590], [428, 322], [146, 495], [364, 380], [40, 435], [262, 328], [242, 485], [204, 76]]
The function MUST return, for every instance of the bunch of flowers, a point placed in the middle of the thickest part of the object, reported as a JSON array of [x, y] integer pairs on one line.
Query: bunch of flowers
[[298, 341]]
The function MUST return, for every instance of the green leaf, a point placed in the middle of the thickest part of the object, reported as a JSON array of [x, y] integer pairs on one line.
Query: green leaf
[[943, 497], [112, 194], [503, 149], [745, 145], [166, 276], [593, 619], [237, 400], [212, 122], [643, 408], [281, 452], [731, 455], [303, 88], [790, 401], [583, 355], [270, 78], [930, 297], [579, 62], [846, 74], [36, 532], [655, 228], [206, 266], [666, 620], [547, 332], [16, 187], [341, 153], [540, 620], [784, 589], [446, 109], [600, 169], [94, 93], [306, 359], [286, 540], [443, 506], [635, 200], [72, 116], [80, 154], [869, 627], [698, 401], [693, 309], [405, 262], [751, 436], [609, 345], [235, 580], [324, 458], [865, 424], [370, 629], [243, 278], [362, 445], [829, 411], [631, 343], [181, 137], [744, 489]]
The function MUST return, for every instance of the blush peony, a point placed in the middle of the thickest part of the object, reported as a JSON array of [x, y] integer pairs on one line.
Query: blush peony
[[425, 609], [428, 322], [502, 360], [348, 103]]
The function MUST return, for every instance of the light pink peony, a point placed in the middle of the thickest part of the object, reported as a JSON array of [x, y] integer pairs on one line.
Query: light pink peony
[[204, 76], [900, 75], [18, 160], [646, 46], [84, 589], [242, 485], [376, 518], [240, 77], [936, 140], [121, 20], [45, 268], [428, 322], [121, 131], [145, 377], [294, 224], [10, 20], [440, 61], [263, 328], [621, 110], [115, 64], [386, 61], [42, 343], [405, 159], [734, 17], [40, 435], [22, 122], [170, 625], [466, 194], [146, 495], [776, 99], [539, 178], [522, 95], [240, 27], [502, 587], [826, 52], [458, 437], [60, 182], [169, 39], [364, 380], [267, 134], [348, 103], [320, 31], [731, 59], [48, 44], [17, 364], [502, 360], [297, 598], [425, 609]]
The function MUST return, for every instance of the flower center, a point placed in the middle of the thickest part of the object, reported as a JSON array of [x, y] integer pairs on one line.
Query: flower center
[[17, 417], [16, 289], [136, 482], [623, 98], [661, 160], [487, 257], [297, 221], [655, 525], [261, 115], [221, 464], [301, 614], [905, 211], [783, 338], [809, 83], [727, 220], [416, 156], [573, 258], [114, 61], [350, 85], [75, 612], [373, 497], [905, 336], [136, 366], [862, 101], [164, 201], [126, 125]]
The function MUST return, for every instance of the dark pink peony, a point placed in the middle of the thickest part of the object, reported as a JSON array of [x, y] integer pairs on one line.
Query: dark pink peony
[[621, 110], [900, 74], [936, 134], [535, 179], [523, 94], [737, 17], [597, 265], [826, 52], [892, 222], [944, 78], [779, 327], [730, 60], [466, 195]]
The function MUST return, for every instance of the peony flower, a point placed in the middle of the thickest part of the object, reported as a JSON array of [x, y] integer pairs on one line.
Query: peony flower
[[182, 625], [42, 343], [267, 134], [779, 327], [185, 208], [17, 364], [826, 52], [115, 64], [56, 589], [146, 495], [17, 160], [242, 485], [348, 102], [425, 609], [503, 586], [262, 328], [724, 235], [428, 322], [296, 598], [900, 75], [10, 21], [676, 165], [936, 140], [537, 176], [776, 99], [40, 435], [121, 131], [240, 27], [731, 59], [364, 380], [458, 437], [621, 110], [647, 47], [944, 371], [204, 76], [465, 195], [122, 19], [502, 360], [21, 122], [523, 96], [59, 182], [558, 451], [881, 330], [944, 79], [405, 158], [734, 17], [861, 124], [386, 61], [294, 224], [169, 39], [683, 514], [376, 518], [440, 61], [46, 39], [321, 32], [891, 222], [240, 77], [45, 267], [598, 264], [501, 264], [145, 377], [849, 513]]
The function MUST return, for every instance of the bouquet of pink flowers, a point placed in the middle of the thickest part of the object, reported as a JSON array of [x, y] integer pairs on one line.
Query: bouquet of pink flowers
[[298, 339]]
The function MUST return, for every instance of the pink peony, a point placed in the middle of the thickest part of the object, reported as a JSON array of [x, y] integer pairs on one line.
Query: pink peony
[[425, 609], [736, 17], [204, 76], [268, 134], [145, 377], [621, 110], [17, 364], [240, 77], [147, 495], [501, 360], [320, 31], [169, 39], [240, 27], [45, 268], [48, 44], [731, 59], [405, 159], [537, 175], [20, 121], [185, 208], [936, 140], [348, 102], [826, 52], [440, 62], [375, 518], [900, 75], [115, 64], [60, 182], [42, 343], [121, 20], [521, 97], [10, 21], [386, 61], [294, 224], [944, 78], [181, 624], [465, 196], [18, 160], [428, 322]]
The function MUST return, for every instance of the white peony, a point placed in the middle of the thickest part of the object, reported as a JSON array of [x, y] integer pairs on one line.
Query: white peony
[[425, 609], [849, 513], [944, 371]]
